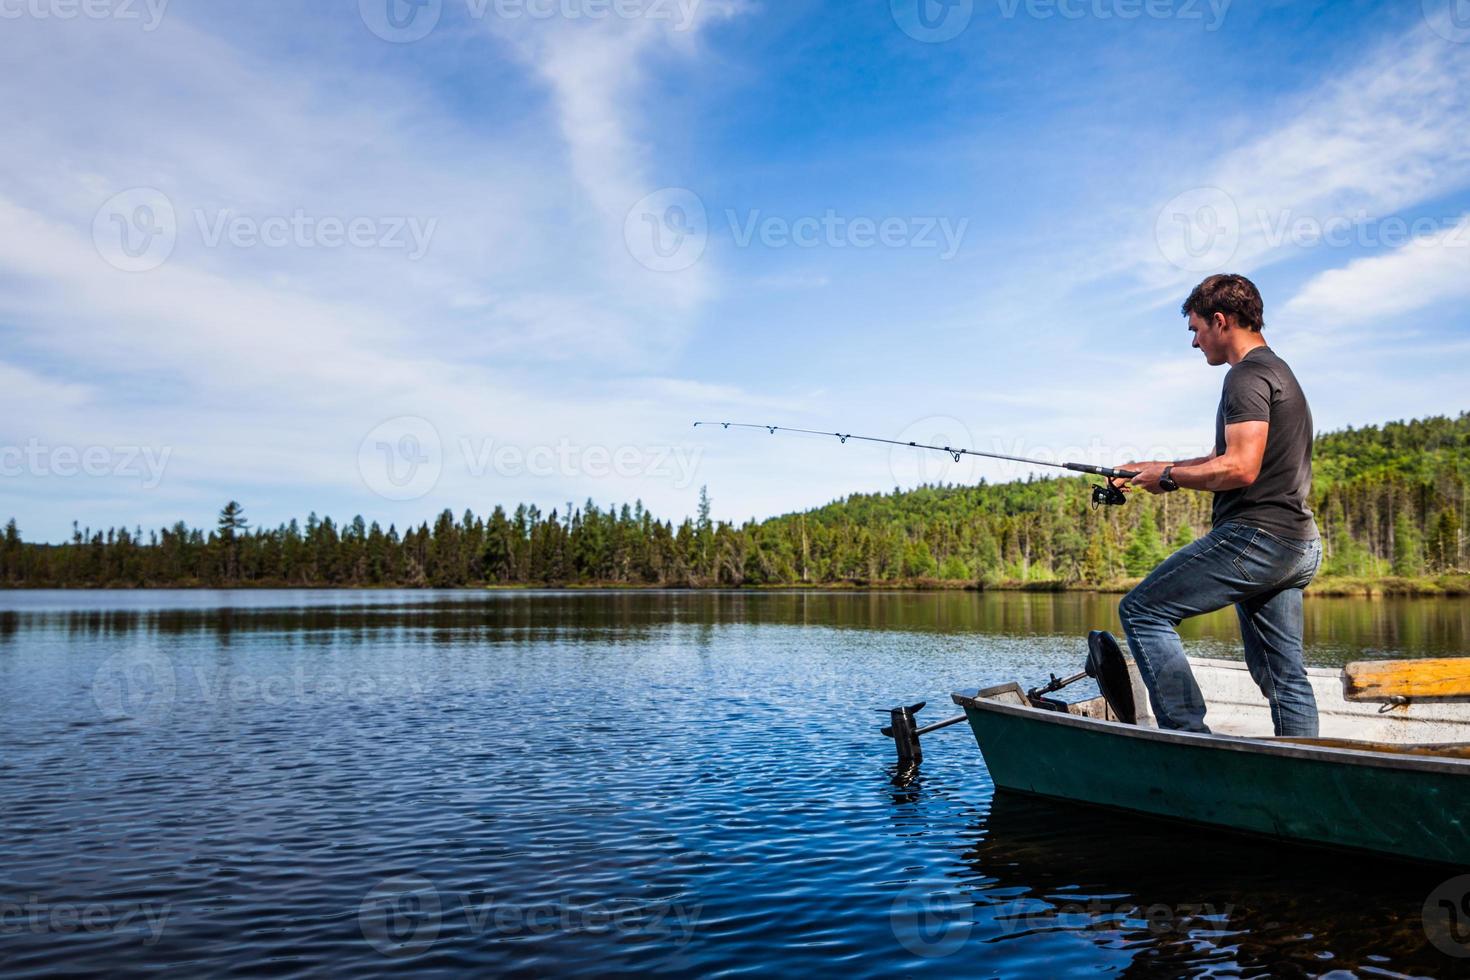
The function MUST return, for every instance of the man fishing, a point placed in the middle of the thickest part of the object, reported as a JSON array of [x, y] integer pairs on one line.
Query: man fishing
[[1263, 548]]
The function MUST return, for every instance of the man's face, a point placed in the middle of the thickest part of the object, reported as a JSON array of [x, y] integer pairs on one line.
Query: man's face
[[1209, 338]]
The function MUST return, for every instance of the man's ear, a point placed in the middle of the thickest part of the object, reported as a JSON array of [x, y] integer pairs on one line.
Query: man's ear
[[1219, 322]]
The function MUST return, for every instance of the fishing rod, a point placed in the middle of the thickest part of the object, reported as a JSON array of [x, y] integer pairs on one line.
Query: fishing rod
[[1110, 494]]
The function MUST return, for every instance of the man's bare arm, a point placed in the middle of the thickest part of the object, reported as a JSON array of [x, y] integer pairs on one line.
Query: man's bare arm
[[1161, 463], [1238, 466]]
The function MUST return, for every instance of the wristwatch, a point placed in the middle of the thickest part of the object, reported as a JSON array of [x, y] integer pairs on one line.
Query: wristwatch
[[1166, 482]]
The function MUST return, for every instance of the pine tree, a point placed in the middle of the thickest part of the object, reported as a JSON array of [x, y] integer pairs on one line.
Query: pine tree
[[1444, 549], [1144, 550], [1183, 536], [230, 526], [1095, 559], [1408, 553], [10, 553]]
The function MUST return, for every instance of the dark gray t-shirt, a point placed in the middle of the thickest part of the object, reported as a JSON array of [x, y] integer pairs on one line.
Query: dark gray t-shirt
[[1261, 388]]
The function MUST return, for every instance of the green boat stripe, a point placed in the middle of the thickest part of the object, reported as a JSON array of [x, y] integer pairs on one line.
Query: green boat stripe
[[1227, 743]]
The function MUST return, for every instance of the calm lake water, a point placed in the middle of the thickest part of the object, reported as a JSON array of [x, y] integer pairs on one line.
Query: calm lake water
[[365, 783]]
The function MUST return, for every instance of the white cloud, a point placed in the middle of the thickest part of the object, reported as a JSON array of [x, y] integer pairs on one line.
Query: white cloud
[[598, 73], [265, 367], [1426, 271], [1384, 136]]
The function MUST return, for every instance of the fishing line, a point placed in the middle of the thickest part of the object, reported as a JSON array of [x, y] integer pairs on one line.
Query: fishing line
[[1110, 494]]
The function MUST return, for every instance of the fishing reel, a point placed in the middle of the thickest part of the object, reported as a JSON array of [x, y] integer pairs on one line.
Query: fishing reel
[[1108, 494]]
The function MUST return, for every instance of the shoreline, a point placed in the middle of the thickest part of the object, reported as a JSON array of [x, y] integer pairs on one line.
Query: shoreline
[[1439, 586]]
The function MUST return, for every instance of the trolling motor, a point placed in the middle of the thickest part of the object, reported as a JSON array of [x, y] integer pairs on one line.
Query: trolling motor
[[1105, 664], [1111, 494], [905, 733]]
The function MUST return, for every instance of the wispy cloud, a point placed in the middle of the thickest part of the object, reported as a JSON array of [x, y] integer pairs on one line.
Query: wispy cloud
[[1385, 135], [521, 144], [267, 366], [598, 73], [1427, 271]]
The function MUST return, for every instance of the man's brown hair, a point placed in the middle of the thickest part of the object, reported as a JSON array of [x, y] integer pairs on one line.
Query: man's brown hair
[[1231, 295]]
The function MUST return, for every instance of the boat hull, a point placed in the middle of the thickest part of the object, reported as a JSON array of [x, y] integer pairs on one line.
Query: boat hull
[[1408, 807]]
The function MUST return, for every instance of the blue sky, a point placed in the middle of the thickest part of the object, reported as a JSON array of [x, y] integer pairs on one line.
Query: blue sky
[[314, 257]]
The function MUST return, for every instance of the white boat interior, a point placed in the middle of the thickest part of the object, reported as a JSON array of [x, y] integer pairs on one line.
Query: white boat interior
[[1236, 706]]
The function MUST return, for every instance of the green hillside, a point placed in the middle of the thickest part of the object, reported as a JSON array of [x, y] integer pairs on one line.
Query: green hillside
[[1391, 501]]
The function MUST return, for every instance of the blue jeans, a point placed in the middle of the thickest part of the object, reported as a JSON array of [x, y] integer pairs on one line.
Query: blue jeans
[[1263, 575]]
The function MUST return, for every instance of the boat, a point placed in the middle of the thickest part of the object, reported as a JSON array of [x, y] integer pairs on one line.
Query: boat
[[1389, 772]]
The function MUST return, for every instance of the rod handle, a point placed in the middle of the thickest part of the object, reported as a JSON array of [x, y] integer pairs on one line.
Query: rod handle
[[1108, 472]]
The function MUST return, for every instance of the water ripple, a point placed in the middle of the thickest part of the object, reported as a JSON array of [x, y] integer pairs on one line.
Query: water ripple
[[531, 785]]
